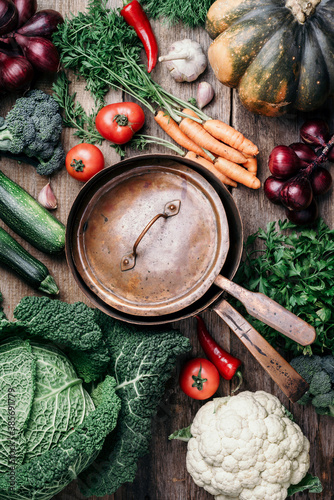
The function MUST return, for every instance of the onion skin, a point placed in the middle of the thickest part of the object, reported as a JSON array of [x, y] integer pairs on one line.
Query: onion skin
[[283, 162], [305, 154], [16, 73], [296, 194], [307, 216], [44, 23], [321, 181], [8, 16], [272, 189], [315, 132], [25, 9], [40, 52]]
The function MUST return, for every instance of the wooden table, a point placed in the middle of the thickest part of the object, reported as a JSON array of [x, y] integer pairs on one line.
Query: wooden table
[[162, 474]]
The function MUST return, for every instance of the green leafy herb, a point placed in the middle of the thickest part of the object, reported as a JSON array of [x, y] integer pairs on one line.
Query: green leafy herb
[[190, 12], [99, 46], [296, 269], [75, 116]]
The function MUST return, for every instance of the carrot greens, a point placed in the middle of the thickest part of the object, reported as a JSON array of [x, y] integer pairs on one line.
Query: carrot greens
[[99, 47]]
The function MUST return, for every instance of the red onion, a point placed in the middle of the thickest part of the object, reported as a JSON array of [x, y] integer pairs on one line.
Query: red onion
[[26, 9], [321, 181], [296, 194], [283, 162], [40, 52], [16, 72], [8, 16], [307, 216], [305, 154], [315, 132], [43, 23], [272, 189]]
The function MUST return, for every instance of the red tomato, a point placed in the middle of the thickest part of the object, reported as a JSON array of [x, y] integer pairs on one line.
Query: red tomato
[[199, 378], [118, 122], [83, 161]]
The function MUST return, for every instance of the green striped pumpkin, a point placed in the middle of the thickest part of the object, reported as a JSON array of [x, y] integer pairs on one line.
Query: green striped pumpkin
[[279, 54]]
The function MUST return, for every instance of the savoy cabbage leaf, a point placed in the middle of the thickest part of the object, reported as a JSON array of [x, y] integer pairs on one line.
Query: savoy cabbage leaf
[[17, 385], [70, 326], [59, 398], [46, 475], [128, 366], [141, 363]]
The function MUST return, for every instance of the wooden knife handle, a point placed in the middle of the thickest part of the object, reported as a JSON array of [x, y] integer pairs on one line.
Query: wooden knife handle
[[267, 310], [286, 377]]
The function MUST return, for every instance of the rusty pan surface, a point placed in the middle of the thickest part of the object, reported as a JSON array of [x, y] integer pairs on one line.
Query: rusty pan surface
[[112, 209]]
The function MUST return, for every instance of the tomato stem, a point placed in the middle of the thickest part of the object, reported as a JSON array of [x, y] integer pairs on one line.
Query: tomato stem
[[199, 381], [77, 165], [121, 120]]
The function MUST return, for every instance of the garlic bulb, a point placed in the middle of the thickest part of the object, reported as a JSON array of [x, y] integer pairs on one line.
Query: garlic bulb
[[47, 198], [185, 60], [205, 93]]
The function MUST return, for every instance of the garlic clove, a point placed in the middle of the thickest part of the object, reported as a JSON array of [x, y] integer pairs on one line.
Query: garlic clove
[[205, 94], [47, 197]]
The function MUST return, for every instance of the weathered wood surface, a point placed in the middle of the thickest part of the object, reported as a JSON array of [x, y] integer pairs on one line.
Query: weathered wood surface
[[162, 474]]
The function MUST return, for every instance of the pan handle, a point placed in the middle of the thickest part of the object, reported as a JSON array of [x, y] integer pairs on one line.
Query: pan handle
[[129, 260], [286, 377], [267, 310]]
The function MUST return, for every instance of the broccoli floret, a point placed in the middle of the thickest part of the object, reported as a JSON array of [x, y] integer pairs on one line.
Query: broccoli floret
[[319, 373], [306, 398], [307, 366], [324, 400], [31, 131], [320, 383], [328, 366]]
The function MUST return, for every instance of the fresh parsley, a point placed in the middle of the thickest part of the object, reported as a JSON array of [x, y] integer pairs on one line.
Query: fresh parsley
[[295, 267]]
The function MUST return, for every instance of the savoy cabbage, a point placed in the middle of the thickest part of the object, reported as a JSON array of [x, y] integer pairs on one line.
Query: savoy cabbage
[[85, 389]]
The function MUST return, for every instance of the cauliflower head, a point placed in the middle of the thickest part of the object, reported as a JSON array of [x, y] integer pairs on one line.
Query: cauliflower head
[[245, 447]]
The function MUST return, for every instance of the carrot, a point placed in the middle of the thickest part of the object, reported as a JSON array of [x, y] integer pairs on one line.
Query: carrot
[[196, 132], [251, 165], [237, 173], [210, 166], [190, 112], [172, 129], [229, 135]]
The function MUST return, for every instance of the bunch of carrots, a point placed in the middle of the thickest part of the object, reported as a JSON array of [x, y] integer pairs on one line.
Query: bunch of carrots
[[216, 146]]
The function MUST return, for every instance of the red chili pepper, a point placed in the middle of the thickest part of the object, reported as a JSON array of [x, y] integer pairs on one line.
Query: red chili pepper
[[226, 364], [136, 17]]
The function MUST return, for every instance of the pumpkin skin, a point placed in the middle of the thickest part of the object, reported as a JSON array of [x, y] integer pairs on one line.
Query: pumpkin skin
[[277, 62]]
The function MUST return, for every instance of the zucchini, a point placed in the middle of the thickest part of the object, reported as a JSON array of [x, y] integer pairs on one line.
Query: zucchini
[[27, 267], [26, 217]]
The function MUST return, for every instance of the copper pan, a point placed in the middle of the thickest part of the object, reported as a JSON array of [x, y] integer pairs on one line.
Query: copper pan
[[157, 238]]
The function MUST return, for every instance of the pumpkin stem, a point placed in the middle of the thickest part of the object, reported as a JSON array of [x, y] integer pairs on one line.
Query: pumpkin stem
[[302, 9]]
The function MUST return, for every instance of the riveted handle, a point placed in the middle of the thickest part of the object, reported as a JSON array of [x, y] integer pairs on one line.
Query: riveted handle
[[129, 260], [270, 312], [286, 377]]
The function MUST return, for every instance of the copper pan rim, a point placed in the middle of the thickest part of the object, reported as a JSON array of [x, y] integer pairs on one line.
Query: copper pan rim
[[229, 268]]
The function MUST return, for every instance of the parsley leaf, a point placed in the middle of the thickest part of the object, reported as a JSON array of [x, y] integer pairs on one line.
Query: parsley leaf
[[294, 267]]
